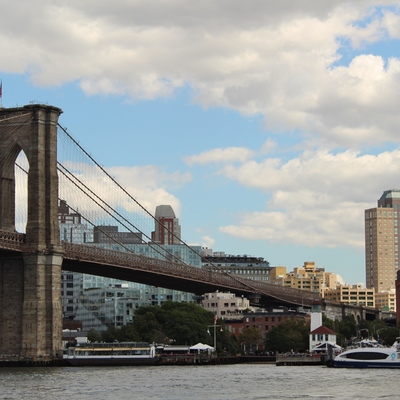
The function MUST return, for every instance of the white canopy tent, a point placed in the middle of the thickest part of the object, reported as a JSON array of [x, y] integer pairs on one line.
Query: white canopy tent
[[323, 347], [201, 346]]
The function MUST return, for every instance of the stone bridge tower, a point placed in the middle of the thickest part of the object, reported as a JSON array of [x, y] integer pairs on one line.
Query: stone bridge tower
[[30, 283]]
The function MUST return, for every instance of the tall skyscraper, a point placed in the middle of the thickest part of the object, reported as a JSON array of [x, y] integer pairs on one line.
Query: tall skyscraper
[[382, 242], [167, 229]]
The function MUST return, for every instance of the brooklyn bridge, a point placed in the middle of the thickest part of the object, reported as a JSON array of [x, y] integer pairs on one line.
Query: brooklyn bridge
[[32, 254]]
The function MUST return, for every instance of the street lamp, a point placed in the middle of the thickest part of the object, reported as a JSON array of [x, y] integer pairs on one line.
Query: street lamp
[[215, 334]]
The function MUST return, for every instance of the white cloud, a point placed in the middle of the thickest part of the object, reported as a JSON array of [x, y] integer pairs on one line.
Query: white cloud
[[229, 154], [268, 146], [146, 186], [304, 226], [208, 242], [275, 58], [391, 22], [321, 171], [150, 184], [317, 199]]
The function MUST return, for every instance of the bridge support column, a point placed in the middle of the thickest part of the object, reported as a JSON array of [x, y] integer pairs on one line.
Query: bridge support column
[[41, 310], [11, 298], [30, 285]]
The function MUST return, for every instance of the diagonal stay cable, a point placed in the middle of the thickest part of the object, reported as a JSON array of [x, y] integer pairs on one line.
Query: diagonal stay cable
[[109, 213], [91, 223], [178, 260], [253, 286], [144, 209]]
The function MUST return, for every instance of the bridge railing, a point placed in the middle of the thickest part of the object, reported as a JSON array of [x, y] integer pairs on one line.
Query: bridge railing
[[14, 241], [101, 255], [293, 295], [139, 262], [11, 240]]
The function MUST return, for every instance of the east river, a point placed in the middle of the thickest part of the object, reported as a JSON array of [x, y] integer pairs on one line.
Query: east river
[[244, 382]]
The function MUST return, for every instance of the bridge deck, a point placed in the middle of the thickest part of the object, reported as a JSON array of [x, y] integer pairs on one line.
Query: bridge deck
[[138, 268]]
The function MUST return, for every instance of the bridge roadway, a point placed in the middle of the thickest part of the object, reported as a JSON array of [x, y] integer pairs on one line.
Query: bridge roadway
[[132, 267]]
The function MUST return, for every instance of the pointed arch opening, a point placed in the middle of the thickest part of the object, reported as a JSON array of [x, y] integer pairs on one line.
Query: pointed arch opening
[[21, 170]]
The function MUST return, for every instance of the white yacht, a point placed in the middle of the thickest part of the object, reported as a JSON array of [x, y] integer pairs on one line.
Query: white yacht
[[370, 357]]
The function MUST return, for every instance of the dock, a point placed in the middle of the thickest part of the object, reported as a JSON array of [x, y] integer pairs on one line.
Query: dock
[[300, 359], [201, 359]]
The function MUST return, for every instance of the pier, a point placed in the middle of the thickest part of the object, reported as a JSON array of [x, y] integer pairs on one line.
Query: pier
[[300, 359]]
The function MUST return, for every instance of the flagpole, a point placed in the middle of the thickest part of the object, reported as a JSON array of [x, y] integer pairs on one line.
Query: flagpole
[[1, 93]]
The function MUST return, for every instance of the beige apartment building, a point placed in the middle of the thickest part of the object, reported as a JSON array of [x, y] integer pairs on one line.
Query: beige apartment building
[[308, 277], [382, 242], [386, 300], [225, 304], [350, 294]]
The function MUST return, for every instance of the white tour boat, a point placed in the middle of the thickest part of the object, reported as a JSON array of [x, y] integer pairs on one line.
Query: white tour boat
[[99, 354], [370, 357]]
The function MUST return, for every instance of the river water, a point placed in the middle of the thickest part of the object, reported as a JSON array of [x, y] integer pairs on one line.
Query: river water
[[239, 381]]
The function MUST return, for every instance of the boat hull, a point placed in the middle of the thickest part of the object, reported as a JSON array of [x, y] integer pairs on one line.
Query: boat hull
[[110, 361], [365, 364]]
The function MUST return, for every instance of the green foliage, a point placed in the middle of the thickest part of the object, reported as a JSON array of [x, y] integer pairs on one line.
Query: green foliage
[[185, 323], [349, 331], [128, 334], [292, 334], [147, 326], [251, 335], [178, 323], [388, 335], [93, 336], [227, 343], [345, 329]]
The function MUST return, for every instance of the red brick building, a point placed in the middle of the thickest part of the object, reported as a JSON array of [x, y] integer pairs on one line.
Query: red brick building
[[264, 321]]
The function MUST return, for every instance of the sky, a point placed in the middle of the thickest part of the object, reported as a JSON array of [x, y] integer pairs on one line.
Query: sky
[[269, 126]]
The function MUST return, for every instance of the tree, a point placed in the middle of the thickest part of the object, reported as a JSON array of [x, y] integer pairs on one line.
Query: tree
[[110, 335], [128, 334], [345, 329], [227, 343], [93, 336], [125, 333], [251, 338], [180, 323], [186, 323], [388, 335], [147, 325], [291, 335]]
